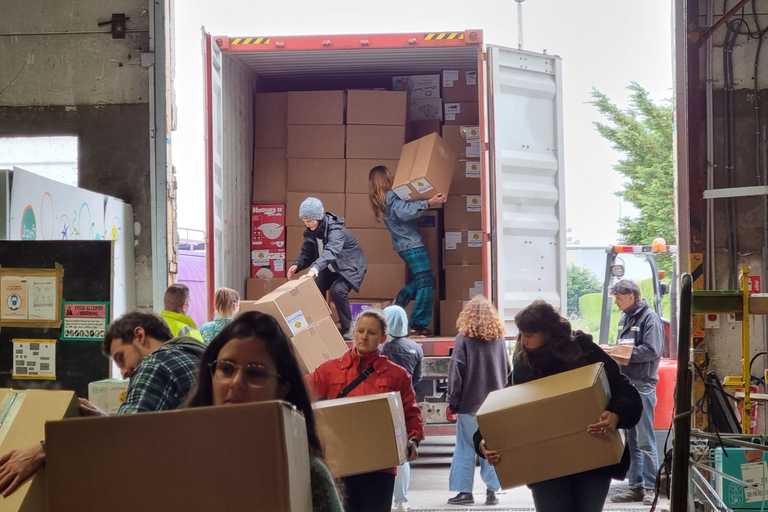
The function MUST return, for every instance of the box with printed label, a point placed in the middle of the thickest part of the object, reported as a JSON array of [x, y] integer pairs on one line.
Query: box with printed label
[[459, 85], [385, 437], [747, 465], [333, 202], [82, 455], [463, 140], [462, 282], [267, 240], [418, 86], [463, 213], [540, 427], [466, 177], [461, 113], [315, 107], [318, 343], [425, 168], [269, 116], [108, 394], [358, 170], [418, 129], [375, 141], [425, 109], [316, 174], [321, 141], [269, 174], [296, 305], [382, 281], [357, 306], [463, 248], [359, 212], [257, 288], [376, 107], [376, 245]]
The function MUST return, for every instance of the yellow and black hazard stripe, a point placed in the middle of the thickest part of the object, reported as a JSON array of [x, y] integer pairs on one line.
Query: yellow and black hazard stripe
[[439, 36], [244, 41]]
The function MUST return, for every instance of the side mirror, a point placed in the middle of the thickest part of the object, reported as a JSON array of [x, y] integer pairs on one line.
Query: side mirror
[[663, 289]]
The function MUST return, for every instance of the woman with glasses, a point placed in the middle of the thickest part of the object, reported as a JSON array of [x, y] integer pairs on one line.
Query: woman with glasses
[[251, 360], [363, 370]]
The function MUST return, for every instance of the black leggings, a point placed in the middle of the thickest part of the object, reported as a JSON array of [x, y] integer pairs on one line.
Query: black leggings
[[369, 492], [339, 287], [582, 492]]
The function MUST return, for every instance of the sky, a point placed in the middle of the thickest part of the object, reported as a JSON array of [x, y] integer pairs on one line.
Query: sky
[[605, 44]]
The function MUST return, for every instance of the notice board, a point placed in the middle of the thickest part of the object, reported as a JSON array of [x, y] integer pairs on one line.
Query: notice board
[[43, 355]]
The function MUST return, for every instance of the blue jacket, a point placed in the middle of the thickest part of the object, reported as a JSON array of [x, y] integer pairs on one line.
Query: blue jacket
[[643, 326], [402, 220], [407, 353]]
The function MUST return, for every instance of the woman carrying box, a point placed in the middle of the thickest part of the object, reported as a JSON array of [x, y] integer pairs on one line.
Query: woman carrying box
[[363, 370], [546, 346], [401, 218]]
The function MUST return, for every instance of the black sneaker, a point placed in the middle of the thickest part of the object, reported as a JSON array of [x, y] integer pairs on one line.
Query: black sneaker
[[628, 496], [463, 498], [490, 498]]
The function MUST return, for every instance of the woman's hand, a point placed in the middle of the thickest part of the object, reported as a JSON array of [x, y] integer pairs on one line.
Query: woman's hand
[[437, 199], [491, 456], [606, 424], [413, 450], [292, 271]]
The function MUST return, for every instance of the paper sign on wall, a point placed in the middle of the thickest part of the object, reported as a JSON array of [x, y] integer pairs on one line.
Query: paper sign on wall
[[34, 359], [30, 296], [85, 321]]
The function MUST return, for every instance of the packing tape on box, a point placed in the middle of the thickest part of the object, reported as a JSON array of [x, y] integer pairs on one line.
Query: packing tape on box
[[8, 411]]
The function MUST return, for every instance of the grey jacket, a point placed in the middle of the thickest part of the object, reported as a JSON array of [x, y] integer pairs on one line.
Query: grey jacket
[[401, 218], [642, 325], [407, 353], [477, 367], [340, 251]]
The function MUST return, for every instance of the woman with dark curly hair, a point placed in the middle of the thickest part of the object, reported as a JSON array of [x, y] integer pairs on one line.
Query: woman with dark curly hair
[[546, 345]]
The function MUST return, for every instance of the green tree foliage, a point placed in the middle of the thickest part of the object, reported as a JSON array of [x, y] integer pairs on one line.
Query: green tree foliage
[[580, 282]]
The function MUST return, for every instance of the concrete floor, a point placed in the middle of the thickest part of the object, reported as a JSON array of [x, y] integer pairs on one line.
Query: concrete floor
[[429, 492]]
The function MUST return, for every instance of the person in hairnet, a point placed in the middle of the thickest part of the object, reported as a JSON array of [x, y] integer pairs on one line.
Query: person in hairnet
[[333, 256], [408, 354]]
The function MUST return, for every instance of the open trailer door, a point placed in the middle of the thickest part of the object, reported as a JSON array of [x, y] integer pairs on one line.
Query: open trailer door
[[528, 196]]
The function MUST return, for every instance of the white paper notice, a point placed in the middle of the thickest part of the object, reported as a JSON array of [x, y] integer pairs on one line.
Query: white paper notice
[[452, 240], [756, 474], [42, 298], [297, 322], [422, 185], [473, 148], [471, 77], [14, 298], [473, 203], [403, 192], [477, 289], [449, 78], [472, 170], [34, 359], [475, 239]]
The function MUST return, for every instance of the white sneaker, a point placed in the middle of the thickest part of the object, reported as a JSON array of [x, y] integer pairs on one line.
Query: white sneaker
[[400, 507]]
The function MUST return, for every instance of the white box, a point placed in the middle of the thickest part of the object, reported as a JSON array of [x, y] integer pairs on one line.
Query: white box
[[108, 394]]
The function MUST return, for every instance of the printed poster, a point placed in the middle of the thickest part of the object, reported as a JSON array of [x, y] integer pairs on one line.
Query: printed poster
[[34, 359], [14, 298], [85, 321]]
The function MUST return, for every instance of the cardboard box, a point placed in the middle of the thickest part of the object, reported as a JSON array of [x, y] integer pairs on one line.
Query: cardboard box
[[463, 140], [620, 353], [744, 464], [108, 394], [307, 141], [377, 246], [297, 305], [372, 141], [316, 175], [269, 176], [359, 169], [385, 438], [425, 109], [319, 343], [267, 240], [459, 85], [383, 281], [462, 282], [418, 86], [293, 242], [463, 248], [269, 119], [257, 288], [91, 459], [425, 168], [418, 129], [376, 107], [359, 212], [315, 107], [466, 177], [25, 413], [449, 313], [332, 202], [462, 212], [540, 427], [461, 113]]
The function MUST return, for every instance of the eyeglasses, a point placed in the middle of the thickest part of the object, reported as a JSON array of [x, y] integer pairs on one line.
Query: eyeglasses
[[255, 375]]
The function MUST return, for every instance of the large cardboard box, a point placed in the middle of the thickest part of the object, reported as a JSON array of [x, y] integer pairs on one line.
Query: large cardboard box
[[293, 242], [267, 240], [425, 168], [257, 288], [462, 282], [359, 212], [449, 313], [418, 129], [376, 245], [269, 175], [321, 141], [316, 175], [463, 248], [383, 281], [315, 107], [425, 109], [319, 343], [376, 107], [463, 140], [383, 442], [461, 113], [296, 305], [359, 169], [418, 86], [375, 141], [540, 427], [462, 212], [269, 116], [90, 460], [25, 414], [108, 394], [332, 202], [459, 85], [466, 177]]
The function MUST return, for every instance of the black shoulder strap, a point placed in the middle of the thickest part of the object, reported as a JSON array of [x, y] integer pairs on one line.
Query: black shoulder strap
[[358, 380]]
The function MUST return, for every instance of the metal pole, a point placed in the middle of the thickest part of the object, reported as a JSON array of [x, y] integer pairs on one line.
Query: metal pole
[[682, 421], [519, 24], [746, 353]]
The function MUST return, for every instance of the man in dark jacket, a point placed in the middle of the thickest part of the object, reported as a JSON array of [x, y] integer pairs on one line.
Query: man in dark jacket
[[333, 256], [641, 326]]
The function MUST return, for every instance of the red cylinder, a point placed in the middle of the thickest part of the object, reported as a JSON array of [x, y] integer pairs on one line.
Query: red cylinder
[[665, 394]]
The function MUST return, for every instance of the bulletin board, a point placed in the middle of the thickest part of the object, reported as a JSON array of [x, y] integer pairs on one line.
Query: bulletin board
[[37, 353]]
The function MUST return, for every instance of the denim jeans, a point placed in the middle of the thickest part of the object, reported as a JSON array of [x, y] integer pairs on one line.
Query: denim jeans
[[644, 461], [402, 482], [582, 492], [462, 476]]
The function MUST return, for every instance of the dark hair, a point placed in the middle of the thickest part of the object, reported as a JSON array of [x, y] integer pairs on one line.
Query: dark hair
[[124, 327], [175, 297], [542, 317], [254, 324], [625, 287]]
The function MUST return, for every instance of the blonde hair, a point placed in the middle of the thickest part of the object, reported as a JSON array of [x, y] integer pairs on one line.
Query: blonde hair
[[226, 300], [480, 320], [379, 183]]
